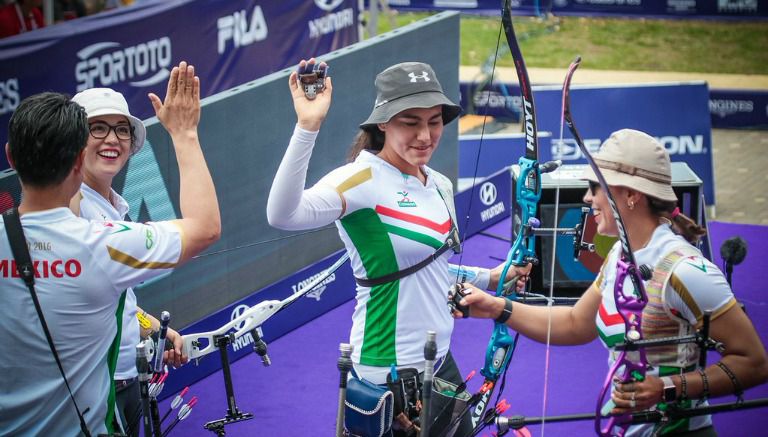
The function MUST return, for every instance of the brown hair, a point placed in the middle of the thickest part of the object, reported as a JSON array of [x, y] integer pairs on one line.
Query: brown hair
[[369, 138], [681, 224]]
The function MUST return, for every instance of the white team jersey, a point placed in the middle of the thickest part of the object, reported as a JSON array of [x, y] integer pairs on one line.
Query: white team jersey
[[388, 221], [392, 221], [81, 269], [700, 286], [93, 206]]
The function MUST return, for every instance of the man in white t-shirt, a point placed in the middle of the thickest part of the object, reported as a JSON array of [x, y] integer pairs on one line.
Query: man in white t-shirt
[[81, 268]]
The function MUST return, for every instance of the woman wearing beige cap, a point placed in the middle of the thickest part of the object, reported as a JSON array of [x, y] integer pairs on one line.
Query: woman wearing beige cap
[[684, 286], [394, 214]]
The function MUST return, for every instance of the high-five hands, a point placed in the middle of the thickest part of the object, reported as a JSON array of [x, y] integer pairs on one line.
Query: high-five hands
[[180, 111]]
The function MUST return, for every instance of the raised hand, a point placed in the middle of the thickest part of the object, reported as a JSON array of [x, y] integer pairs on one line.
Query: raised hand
[[180, 111], [310, 113]]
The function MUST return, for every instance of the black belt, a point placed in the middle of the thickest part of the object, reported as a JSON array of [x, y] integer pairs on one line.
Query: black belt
[[450, 242], [123, 383]]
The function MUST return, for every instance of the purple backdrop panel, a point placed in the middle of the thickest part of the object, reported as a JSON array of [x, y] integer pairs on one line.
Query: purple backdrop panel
[[738, 108], [729, 109], [134, 49], [634, 8], [676, 114], [484, 204], [482, 155], [334, 291], [303, 380]]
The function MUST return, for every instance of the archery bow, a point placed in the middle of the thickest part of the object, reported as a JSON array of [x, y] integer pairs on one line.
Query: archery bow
[[629, 365], [501, 345]]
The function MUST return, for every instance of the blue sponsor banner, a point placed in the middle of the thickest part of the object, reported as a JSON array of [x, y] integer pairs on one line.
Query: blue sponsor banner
[[499, 100], [334, 291], [729, 109], [676, 114], [481, 156], [738, 108], [133, 49], [489, 202], [638, 8]]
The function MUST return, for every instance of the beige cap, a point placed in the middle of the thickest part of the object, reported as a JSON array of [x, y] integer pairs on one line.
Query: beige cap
[[634, 159]]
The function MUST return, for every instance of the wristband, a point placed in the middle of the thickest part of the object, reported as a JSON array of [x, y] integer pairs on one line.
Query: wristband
[[705, 382], [737, 390], [506, 312], [144, 322], [683, 387], [669, 393]]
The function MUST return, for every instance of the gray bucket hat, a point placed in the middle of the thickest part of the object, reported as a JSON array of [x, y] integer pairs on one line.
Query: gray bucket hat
[[106, 101], [405, 86], [634, 159]]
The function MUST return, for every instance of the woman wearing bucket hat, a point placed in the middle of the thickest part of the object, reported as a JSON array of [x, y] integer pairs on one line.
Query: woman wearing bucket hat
[[684, 286], [394, 214], [114, 136]]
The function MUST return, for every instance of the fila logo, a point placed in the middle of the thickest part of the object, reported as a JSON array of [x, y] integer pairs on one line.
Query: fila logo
[[424, 75]]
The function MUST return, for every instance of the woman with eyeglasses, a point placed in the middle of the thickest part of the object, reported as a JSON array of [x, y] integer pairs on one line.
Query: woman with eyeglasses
[[684, 286], [115, 136]]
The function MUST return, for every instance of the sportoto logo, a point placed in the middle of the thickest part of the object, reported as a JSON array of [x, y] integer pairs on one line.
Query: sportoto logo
[[488, 193], [237, 312], [107, 63], [328, 5]]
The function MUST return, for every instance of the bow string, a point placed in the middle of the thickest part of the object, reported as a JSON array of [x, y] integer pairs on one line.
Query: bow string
[[630, 363], [501, 345]]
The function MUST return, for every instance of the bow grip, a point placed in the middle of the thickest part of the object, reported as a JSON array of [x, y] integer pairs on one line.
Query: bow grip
[[498, 353]]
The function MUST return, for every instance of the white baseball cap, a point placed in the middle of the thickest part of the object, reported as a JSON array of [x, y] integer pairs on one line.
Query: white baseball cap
[[106, 101]]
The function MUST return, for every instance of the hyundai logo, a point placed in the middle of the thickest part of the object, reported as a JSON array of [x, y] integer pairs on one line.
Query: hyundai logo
[[237, 312], [328, 5], [488, 193]]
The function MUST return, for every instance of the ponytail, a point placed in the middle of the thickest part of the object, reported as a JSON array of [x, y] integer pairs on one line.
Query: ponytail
[[370, 138], [681, 224]]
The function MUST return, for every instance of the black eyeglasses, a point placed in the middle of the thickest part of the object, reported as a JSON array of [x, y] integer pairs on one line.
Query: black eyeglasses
[[593, 186], [100, 130]]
